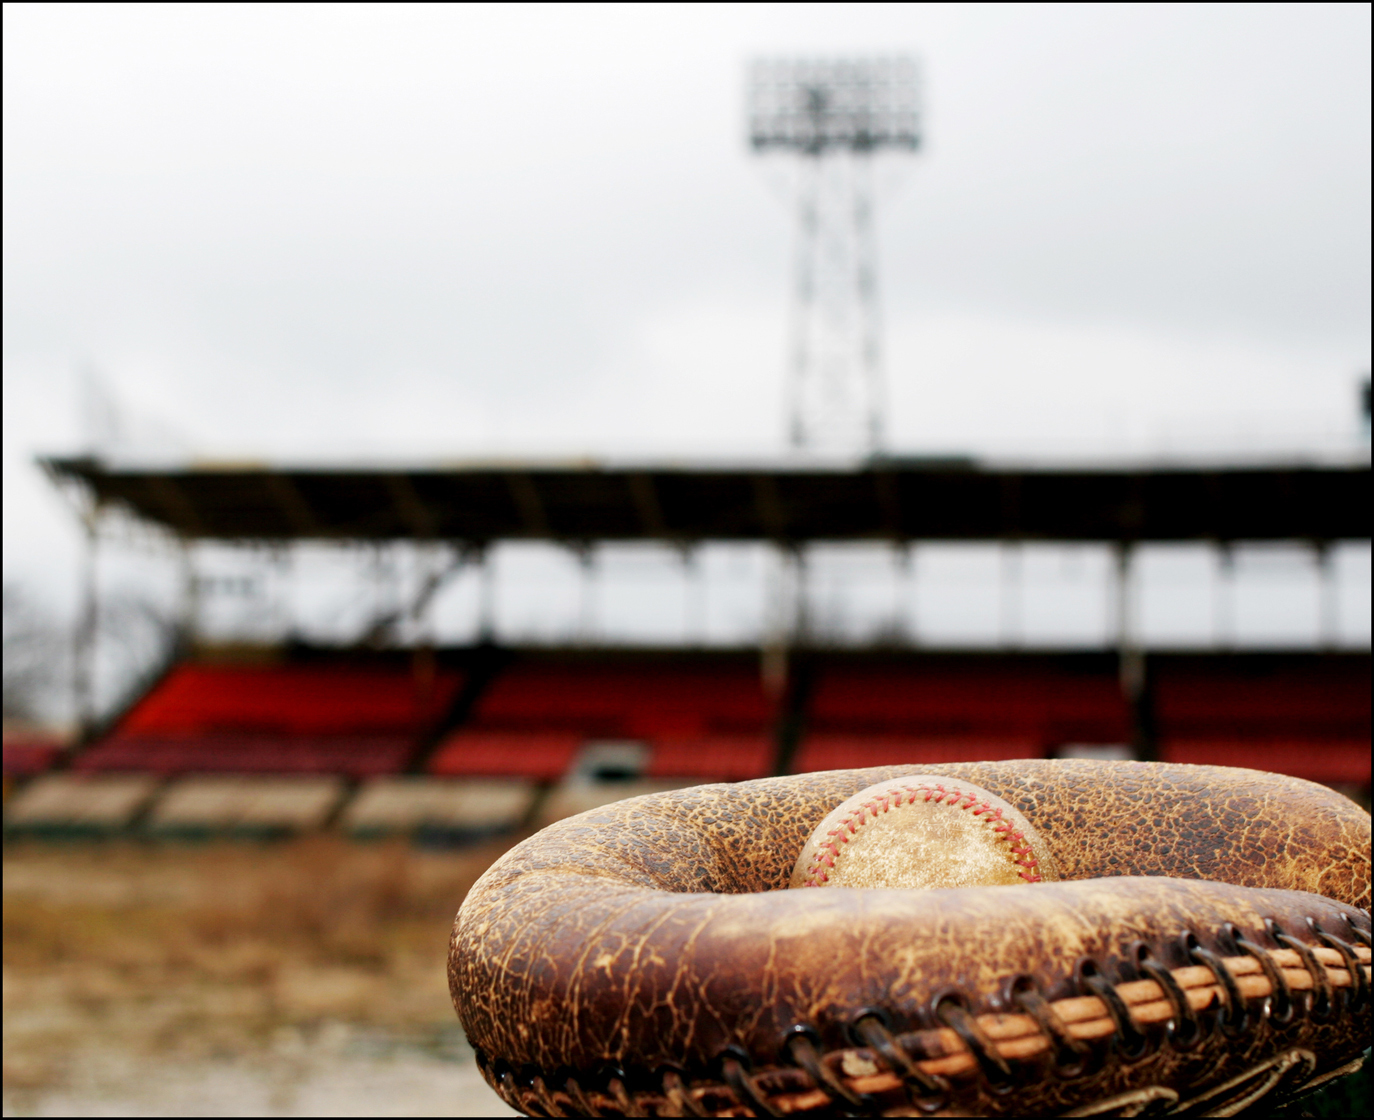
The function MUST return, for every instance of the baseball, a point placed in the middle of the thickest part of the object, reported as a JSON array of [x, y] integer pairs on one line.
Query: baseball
[[925, 832]]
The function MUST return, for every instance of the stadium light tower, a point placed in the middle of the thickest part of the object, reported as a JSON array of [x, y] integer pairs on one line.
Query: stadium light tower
[[833, 115]]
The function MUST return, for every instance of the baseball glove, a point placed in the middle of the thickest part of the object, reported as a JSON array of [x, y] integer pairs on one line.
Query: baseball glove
[[1208, 945]]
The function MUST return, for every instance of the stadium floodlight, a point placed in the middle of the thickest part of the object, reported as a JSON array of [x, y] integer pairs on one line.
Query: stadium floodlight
[[813, 106], [835, 115]]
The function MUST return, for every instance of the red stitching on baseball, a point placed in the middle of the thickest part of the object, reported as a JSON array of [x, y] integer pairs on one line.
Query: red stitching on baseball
[[828, 850]]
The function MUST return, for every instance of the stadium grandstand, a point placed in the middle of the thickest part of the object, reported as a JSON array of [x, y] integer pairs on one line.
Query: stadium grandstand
[[457, 742]]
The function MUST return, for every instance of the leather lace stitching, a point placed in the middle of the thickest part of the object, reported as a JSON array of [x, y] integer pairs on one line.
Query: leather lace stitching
[[734, 1069], [1052, 1026], [545, 1098], [1281, 1005], [1130, 1041], [1360, 934], [676, 1090], [802, 1050], [1185, 1030], [950, 1010], [1358, 996], [1322, 1005], [573, 1087], [929, 1092], [1235, 1016]]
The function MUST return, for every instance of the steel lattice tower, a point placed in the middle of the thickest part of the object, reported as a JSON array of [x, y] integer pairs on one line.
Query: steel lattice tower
[[833, 116]]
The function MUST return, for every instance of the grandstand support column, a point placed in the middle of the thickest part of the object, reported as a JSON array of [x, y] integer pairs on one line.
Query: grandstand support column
[[281, 566], [1224, 597], [1124, 623], [1131, 667], [486, 596], [913, 593], [901, 592], [87, 625], [785, 622], [694, 595], [790, 727], [190, 593], [1009, 625], [1328, 596], [801, 603], [388, 580], [586, 622], [786, 665]]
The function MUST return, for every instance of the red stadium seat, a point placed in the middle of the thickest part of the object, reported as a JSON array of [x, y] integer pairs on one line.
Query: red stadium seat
[[539, 755], [831, 751], [720, 758], [355, 756], [1201, 702], [290, 699], [1310, 721], [1333, 761], [23, 757]]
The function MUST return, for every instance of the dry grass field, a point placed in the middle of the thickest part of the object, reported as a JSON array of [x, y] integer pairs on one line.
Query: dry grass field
[[295, 978]]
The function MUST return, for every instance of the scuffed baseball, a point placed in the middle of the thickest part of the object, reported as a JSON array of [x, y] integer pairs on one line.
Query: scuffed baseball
[[925, 832]]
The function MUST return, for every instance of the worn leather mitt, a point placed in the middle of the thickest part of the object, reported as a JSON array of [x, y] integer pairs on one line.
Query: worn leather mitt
[[1209, 944]]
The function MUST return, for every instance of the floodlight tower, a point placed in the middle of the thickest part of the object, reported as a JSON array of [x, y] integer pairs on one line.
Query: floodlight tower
[[833, 116]]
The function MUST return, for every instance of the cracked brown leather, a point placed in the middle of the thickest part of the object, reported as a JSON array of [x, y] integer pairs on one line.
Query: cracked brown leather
[[655, 931]]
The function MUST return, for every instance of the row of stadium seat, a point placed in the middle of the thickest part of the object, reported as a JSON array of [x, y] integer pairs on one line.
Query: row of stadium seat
[[444, 811], [307, 700], [717, 722], [68, 803], [1310, 702], [1332, 761], [24, 755], [1007, 707], [355, 756], [616, 702], [546, 755]]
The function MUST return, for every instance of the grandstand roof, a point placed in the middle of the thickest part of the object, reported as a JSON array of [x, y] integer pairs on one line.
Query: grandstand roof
[[893, 500]]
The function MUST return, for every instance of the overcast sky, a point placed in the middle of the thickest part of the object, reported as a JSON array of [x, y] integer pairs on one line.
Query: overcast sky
[[325, 233]]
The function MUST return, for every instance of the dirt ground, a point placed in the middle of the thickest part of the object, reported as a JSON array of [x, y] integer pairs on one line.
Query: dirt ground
[[302, 978], [297, 978]]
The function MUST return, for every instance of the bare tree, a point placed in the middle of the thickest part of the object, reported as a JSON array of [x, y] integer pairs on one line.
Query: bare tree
[[136, 639], [36, 653]]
